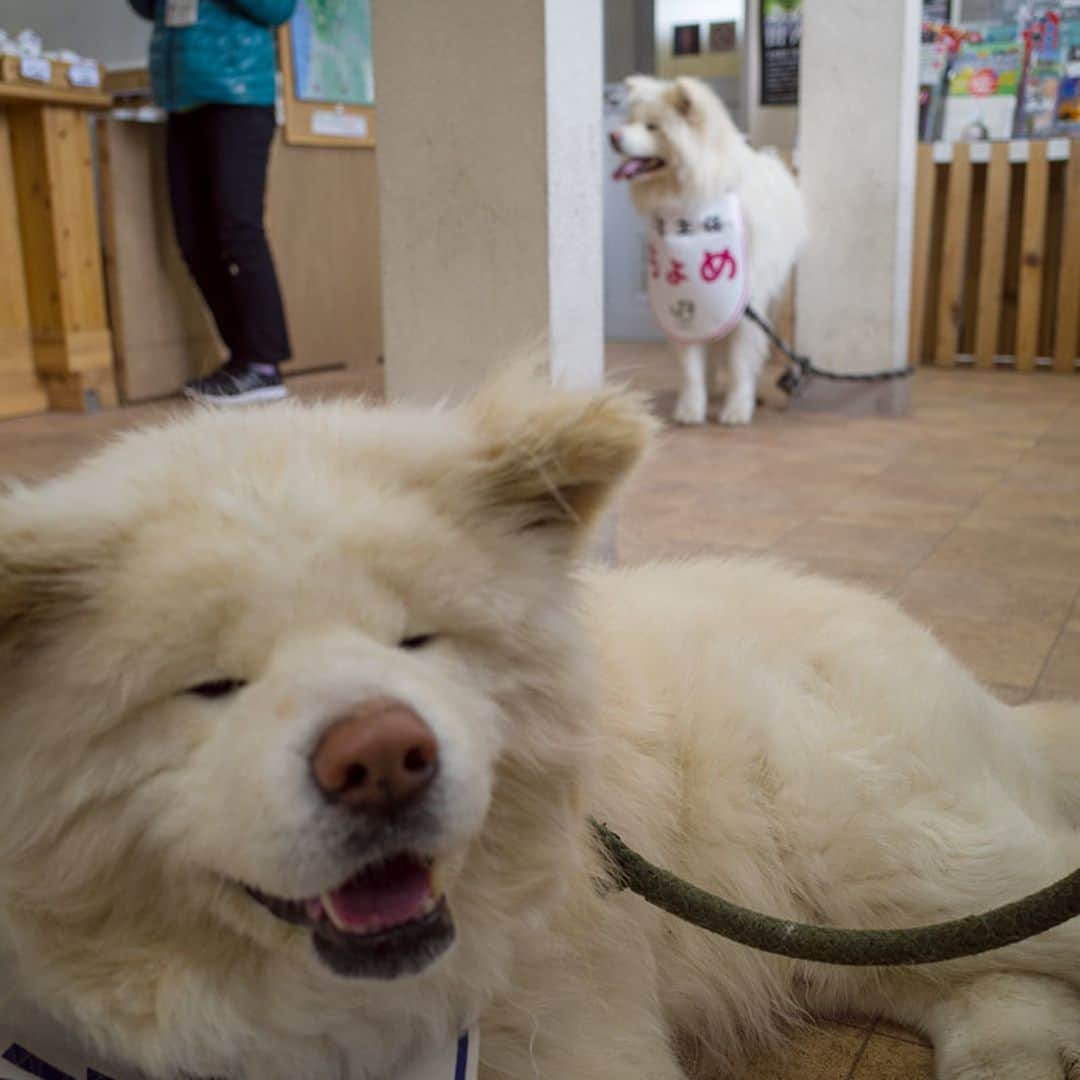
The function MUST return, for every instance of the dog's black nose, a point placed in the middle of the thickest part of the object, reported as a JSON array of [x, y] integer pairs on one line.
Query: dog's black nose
[[616, 142]]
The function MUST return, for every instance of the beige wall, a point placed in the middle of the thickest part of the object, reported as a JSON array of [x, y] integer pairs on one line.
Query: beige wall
[[671, 13]]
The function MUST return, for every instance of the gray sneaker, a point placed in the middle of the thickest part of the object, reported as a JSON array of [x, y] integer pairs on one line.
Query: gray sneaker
[[236, 384]]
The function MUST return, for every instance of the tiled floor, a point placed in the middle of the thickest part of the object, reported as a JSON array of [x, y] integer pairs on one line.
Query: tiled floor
[[968, 511]]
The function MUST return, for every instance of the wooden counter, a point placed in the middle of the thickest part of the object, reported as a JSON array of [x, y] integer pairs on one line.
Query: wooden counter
[[55, 344], [95, 302], [322, 220]]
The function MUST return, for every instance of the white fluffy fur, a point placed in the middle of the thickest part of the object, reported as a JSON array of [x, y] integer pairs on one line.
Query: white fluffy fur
[[796, 745], [687, 126]]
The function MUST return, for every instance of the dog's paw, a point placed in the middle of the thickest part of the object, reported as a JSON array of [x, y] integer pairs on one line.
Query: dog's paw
[[737, 410], [1007, 1027], [690, 408]]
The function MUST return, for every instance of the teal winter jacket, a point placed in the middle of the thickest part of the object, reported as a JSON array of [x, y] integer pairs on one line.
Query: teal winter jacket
[[226, 58]]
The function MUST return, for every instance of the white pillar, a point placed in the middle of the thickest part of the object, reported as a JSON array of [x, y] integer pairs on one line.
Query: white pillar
[[489, 160], [857, 140]]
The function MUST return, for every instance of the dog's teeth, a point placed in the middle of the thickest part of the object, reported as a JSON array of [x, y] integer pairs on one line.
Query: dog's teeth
[[327, 904], [436, 880]]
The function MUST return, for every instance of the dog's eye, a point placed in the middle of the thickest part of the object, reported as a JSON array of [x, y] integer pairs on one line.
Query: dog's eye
[[417, 641], [652, 127], [216, 688]]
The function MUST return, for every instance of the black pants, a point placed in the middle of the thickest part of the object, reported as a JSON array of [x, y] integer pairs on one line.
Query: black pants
[[217, 161]]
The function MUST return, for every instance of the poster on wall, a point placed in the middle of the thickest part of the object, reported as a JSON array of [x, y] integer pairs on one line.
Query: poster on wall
[[781, 32], [328, 74], [984, 83], [933, 64], [1043, 73], [330, 42], [1068, 103]]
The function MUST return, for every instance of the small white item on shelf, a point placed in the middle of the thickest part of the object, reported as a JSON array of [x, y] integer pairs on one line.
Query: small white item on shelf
[[85, 74], [35, 69], [28, 43], [36, 64]]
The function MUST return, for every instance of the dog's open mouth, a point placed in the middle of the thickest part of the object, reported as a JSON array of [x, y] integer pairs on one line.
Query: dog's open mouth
[[633, 167], [391, 919]]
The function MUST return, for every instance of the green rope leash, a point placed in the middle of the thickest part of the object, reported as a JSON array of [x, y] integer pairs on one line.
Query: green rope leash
[[933, 944]]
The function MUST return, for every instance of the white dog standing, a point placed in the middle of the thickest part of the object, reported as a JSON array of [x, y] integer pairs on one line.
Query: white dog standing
[[727, 224]]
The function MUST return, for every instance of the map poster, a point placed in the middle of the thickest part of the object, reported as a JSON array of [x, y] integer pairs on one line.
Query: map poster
[[328, 77], [781, 32], [330, 44]]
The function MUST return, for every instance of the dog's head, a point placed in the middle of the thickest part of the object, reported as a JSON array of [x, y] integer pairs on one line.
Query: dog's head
[[305, 680], [679, 142]]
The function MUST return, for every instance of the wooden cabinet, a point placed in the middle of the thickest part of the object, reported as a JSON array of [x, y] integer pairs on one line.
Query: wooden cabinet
[[22, 390], [53, 283]]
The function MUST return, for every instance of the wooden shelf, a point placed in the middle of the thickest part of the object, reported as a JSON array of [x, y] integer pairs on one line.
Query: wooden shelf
[[24, 94]]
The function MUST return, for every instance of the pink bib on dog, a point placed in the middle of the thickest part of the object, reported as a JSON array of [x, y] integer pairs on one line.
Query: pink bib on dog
[[698, 271]]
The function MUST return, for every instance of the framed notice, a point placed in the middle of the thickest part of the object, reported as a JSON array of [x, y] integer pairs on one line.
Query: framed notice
[[723, 37], [781, 32], [686, 40], [328, 74]]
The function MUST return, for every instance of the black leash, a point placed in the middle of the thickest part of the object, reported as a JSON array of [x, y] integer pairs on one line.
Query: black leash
[[793, 381]]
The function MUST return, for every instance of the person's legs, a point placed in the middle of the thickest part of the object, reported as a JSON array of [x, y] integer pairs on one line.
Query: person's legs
[[190, 196], [239, 148]]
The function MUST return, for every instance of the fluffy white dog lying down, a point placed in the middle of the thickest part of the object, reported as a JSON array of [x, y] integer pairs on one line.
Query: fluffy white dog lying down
[[305, 710], [727, 224]]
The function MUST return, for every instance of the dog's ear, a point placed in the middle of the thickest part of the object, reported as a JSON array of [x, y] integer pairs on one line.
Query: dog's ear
[[43, 581], [551, 458], [642, 87], [691, 98], [33, 594]]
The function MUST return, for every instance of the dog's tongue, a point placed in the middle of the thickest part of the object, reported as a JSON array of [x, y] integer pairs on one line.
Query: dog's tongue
[[395, 892], [629, 169]]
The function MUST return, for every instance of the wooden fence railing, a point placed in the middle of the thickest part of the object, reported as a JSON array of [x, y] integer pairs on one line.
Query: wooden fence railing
[[996, 269]]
